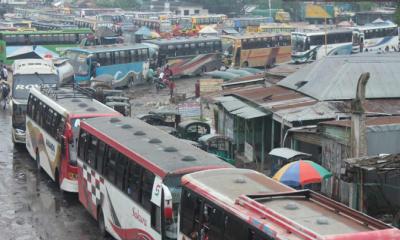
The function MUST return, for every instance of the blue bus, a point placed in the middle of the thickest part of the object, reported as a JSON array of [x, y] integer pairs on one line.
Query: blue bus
[[123, 64]]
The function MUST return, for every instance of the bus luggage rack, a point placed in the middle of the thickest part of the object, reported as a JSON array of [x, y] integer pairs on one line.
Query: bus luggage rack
[[75, 92], [262, 204]]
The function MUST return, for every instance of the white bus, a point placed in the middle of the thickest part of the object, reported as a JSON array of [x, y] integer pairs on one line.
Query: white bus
[[52, 126], [28, 73], [310, 46], [129, 176], [376, 37]]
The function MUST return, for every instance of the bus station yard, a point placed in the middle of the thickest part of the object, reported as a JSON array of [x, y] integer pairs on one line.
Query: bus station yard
[[177, 124]]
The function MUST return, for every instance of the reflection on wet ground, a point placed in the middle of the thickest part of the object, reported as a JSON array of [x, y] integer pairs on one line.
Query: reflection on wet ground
[[31, 206]]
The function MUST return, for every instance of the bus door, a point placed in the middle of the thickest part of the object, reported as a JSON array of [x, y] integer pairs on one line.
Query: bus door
[[236, 55]]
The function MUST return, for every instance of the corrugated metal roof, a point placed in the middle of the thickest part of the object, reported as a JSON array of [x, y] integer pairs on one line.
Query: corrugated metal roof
[[370, 121], [335, 77], [239, 108], [286, 153]]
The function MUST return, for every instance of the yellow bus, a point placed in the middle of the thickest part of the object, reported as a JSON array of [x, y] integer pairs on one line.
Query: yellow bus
[[256, 50], [208, 19]]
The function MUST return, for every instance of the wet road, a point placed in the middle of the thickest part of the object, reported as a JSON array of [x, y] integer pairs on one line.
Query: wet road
[[31, 207]]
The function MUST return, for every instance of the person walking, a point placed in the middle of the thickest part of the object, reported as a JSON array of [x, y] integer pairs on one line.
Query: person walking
[[5, 90], [4, 73]]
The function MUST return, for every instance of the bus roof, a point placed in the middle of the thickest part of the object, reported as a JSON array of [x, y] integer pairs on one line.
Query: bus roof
[[386, 24], [257, 35], [321, 32], [32, 66], [73, 103], [105, 48], [76, 30], [154, 149], [250, 195], [182, 40]]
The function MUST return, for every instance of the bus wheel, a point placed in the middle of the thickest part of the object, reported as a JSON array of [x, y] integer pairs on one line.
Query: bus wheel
[[245, 64], [102, 225], [37, 159]]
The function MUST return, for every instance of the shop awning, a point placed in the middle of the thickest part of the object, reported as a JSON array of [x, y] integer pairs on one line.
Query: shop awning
[[239, 108]]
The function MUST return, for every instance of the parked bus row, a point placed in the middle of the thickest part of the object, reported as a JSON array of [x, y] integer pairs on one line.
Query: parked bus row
[[141, 183]]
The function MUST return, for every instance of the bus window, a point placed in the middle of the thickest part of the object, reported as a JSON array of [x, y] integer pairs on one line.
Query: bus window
[[213, 219], [120, 171], [234, 229], [110, 164], [146, 188], [124, 56], [133, 180], [190, 213], [100, 156], [117, 59], [91, 152]]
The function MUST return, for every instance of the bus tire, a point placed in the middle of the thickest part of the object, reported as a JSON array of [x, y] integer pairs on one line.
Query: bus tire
[[245, 64], [37, 160], [101, 222]]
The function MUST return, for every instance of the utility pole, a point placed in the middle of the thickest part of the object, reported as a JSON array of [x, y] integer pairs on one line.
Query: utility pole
[[358, 128], [358, 134]]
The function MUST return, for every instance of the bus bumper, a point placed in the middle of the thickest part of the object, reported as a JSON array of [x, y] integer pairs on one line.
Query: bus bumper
[[18, 136], [69, 185]]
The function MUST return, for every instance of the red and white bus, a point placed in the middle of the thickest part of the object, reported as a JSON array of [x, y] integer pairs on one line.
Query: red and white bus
[[241, 204], [52, 126], [188, 56], [129, 175]]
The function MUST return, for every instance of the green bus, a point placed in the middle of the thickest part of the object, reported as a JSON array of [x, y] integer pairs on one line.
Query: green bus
[[38, 44]]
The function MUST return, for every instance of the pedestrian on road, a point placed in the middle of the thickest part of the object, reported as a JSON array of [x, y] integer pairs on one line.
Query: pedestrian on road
[[171, 85], [4, 73], [5, 90]]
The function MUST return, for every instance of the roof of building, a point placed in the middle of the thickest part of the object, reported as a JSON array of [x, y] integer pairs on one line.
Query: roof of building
[[158, 151], [286, 153], [237, 190], [382, 162], [370, 121], [336, 77]]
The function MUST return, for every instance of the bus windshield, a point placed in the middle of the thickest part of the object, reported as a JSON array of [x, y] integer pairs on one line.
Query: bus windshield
[[22, 83], [173, 183], [227, 46], [79, 62], [299, 43]]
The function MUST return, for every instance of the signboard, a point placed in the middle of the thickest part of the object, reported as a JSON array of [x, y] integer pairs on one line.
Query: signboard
[[248, 151], [190, 109], [210, 85], [156, 192]]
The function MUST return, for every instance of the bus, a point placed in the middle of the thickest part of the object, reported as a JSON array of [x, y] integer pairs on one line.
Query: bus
[[242, 204], [86, 22], [125, 64], [242, 23], [52, 126], [26, 74], [256, 50], [129, 176], [310, 46], [157, 25], [47, 26], [202, 20], [188, 56], [38, 44], [376, 36], [276, 28]]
